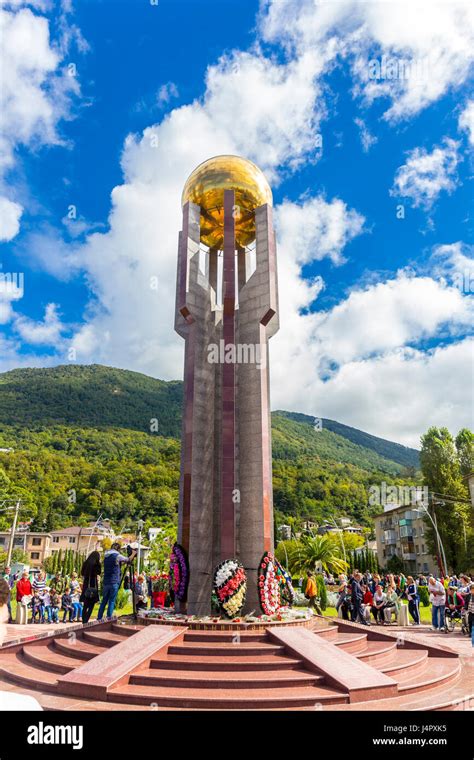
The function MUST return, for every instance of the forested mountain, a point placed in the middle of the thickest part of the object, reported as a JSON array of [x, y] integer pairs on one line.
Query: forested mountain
[[81, 443], [387, 449], [91, 396]]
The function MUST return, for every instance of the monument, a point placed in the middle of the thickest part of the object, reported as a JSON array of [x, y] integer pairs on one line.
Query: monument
[[226, 310]]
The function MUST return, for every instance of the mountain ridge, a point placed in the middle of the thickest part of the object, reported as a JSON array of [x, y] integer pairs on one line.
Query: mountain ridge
[[94, 395]]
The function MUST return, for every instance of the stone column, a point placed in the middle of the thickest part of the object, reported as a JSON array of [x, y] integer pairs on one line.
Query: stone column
[[257, 322], [195, 322]]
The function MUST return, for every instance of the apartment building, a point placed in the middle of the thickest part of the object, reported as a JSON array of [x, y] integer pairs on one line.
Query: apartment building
[[37, 546], [400, 532]]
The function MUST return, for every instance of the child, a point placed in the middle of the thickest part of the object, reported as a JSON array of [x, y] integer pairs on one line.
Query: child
[[76, 605], [66, 605], [55, 602], [46, 602], [37, 608]]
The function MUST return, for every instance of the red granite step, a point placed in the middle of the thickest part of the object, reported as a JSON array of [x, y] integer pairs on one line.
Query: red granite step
[[226, 680], [223, 662], [409, 661], [45, 657], [243, 650], [126, 629], [378, 652], [439, 670], [53, 702], [229, 699], [78, 648], [15, 668], [455, 695], [327, 632], [230, 637], [351, 642], [102, 638]]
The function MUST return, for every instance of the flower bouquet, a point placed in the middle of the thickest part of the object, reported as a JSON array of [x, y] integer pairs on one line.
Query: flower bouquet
[[230, 586], [179, 572], [268, 585], [287, 592]]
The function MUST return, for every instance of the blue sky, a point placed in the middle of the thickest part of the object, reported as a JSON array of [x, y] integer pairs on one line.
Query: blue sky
[[374, 227]]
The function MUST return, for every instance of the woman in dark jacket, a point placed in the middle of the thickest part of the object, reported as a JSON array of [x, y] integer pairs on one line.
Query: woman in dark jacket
[[91, 571]]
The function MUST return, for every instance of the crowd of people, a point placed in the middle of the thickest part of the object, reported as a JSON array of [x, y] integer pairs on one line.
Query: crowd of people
[[363, 596], [73, 598]]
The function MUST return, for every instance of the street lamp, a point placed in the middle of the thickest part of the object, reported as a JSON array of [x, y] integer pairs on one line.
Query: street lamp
[[440, 543]]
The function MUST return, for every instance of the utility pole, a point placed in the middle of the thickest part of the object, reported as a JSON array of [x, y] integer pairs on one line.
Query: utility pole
[[12, 535], [140, 528]]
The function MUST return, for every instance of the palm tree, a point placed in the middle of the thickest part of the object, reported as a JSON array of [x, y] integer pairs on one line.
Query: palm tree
[[311, 551]]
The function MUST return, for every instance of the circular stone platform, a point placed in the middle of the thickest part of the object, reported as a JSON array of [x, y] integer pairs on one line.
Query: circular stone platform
[[217, 624]]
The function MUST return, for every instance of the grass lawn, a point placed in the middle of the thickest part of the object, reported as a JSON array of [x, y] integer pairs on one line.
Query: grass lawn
[[425, 613]]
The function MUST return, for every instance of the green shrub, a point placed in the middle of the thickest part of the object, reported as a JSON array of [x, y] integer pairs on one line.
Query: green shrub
[[122, 599], [322, 593], [424, 595]]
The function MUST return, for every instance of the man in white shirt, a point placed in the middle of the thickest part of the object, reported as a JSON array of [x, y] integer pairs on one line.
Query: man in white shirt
[[438, 602]]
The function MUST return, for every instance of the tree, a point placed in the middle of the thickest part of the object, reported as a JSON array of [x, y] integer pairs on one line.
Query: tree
[[442, 473], [158, 556], [314, 551], [465, 450]]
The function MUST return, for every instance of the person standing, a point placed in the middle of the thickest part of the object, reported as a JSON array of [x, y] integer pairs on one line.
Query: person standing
[[411, 593], [470, 613], [311, 592], [112, 562], [91, 570], [341, 591], [7, 577], [438, 602], [23, 587], [356, 599]]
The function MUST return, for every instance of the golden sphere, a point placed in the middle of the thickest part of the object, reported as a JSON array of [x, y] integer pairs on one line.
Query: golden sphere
[[206, 185]]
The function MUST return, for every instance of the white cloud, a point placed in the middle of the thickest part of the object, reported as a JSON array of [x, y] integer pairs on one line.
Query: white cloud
[[454, 264], [166, 93], [366, 137], [35, 93], [360, 362], [353, 362], [466, 121], [425, 175], [315, 229], [47, 332], [431, 42], [400, 394], [10, 213]]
